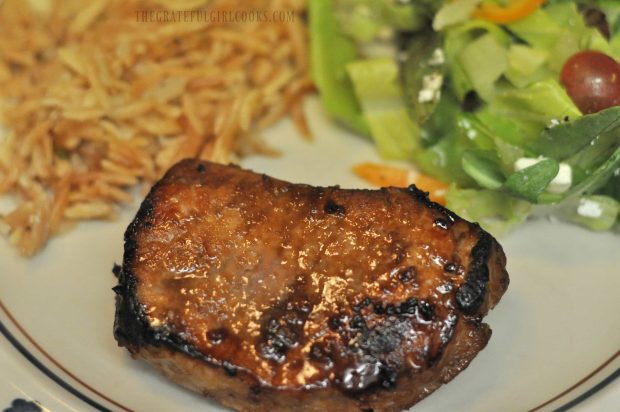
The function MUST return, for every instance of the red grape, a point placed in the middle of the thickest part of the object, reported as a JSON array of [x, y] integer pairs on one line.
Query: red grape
[[592, 80]]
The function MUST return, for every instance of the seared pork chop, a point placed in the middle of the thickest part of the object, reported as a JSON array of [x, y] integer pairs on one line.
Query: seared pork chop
[[267, 295]]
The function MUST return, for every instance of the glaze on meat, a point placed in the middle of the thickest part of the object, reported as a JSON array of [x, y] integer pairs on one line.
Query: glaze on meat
[[267, 295]]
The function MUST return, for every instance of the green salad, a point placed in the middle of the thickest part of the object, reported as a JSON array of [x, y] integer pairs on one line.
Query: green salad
[[515, 104]]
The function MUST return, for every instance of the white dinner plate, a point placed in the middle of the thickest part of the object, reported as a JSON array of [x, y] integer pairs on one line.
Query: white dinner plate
[[556, 332]]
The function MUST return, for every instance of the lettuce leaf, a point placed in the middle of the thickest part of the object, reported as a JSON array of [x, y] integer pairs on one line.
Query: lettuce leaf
[[566, 139], [496, 212], [596, 212], [532, 181], [330, 52], [377, 87]]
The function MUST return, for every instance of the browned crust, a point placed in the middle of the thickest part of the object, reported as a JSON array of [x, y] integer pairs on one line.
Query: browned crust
[[485, 283], [470, 338]]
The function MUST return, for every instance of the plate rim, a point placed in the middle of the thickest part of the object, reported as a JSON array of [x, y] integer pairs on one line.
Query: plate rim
[[30, 357]]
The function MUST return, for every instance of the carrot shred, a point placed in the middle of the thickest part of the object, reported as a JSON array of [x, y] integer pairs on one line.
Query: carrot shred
[[384, 176], [435, 188], [516, 10]]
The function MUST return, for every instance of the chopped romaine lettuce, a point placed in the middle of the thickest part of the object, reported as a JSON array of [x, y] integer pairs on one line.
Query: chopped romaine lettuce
[[377, 87], [331, 50], [485, 49], [457, 39], [538, 30], [526, 65], [537, 104], [596, 212], [363, 20], [454, 12], [495, 211]]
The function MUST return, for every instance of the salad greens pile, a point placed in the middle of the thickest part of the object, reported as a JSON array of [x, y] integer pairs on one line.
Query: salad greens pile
[[478, 102]]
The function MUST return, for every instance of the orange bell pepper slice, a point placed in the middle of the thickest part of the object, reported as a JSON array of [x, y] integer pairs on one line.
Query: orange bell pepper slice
[[514, 11], [384, 176]]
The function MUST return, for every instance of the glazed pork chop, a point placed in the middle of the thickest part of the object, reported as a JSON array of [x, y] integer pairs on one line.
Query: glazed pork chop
[[270, 296]]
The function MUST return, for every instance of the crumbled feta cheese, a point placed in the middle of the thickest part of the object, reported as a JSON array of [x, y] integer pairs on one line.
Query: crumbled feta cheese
[[466, 125], [432, 81], [589, 208], [553, 122], [525, 162], [426, 96], [431, 88], [437, 58], [560, 183]]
